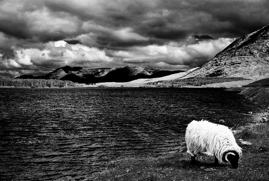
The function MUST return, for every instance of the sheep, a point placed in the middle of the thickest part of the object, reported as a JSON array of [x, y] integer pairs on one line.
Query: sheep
[[204, 137]]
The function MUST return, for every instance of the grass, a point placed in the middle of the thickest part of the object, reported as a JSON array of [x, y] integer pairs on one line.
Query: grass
[[176, 166], [258, 95]]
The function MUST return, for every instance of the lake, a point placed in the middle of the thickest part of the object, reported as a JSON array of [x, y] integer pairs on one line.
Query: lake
[[50, 134]]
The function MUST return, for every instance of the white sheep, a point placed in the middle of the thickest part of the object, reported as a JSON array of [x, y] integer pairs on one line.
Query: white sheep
[[203, 137]]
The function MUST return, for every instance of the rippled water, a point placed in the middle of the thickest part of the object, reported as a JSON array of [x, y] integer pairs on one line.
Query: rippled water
[[49, 134]]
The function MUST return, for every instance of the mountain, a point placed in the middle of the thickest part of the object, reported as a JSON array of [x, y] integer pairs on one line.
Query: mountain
[[88, 76], [247, 56]]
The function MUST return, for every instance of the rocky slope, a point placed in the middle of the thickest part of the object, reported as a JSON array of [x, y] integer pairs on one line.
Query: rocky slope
[[247, 56], [88, 76]]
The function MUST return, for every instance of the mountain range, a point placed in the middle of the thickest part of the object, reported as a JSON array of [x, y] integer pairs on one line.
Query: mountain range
[[89, 76], [246, 57]]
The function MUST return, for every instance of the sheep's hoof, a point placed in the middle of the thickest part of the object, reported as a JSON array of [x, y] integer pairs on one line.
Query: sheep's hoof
[[193, 160], [216, 161]]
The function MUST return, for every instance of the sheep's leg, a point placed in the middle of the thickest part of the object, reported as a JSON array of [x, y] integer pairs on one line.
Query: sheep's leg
[[216, 161], [192, 156], [193, 159]]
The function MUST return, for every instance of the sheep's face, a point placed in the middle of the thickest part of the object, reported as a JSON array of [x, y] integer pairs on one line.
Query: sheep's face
[[233, 158]]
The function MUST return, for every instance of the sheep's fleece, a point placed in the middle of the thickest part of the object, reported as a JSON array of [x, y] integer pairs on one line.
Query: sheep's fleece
[[211, 139]]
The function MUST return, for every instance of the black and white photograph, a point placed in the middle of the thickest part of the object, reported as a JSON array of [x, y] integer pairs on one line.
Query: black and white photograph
[[134, 90]]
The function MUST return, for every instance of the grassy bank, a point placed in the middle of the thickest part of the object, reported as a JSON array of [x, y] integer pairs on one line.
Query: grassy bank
[[253, 138], [258, 95]]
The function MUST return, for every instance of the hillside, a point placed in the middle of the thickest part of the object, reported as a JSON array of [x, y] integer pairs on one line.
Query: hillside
[[247, 57], [144, 82], [90, 76], [259, 83]]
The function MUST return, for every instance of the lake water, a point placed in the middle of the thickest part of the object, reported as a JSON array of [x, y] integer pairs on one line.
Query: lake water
[[50, 134]]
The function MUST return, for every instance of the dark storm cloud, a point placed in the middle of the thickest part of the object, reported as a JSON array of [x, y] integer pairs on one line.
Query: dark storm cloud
[[33, 21], [179, 33], [234, 18], [8, 27], [216, 18], [72, 42], [7, 53], [163, 29], [52, 20], [105, 19], [203, 37]]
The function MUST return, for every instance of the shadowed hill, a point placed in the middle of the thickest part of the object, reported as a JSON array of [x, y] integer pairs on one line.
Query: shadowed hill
[[88, 76], [259, 83]]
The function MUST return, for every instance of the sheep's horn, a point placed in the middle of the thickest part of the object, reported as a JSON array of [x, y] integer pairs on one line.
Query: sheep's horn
[[230, 152], [232, 157]]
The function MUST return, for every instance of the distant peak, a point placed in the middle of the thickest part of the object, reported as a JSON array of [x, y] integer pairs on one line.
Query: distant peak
[[73, 41]]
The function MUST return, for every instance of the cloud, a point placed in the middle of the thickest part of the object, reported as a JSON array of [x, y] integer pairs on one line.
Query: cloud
[[9, 73], [41, 35], [174, 54], [50, 20], [175, 19], [105, 37], [54, 55], [59, 53], [36, 21], [127, 34], [53, 26], [234, 18], [197, 54]]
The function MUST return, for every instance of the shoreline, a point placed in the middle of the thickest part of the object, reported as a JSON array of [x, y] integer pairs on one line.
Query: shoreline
[[177, 166], [252, 137], [157, 83]]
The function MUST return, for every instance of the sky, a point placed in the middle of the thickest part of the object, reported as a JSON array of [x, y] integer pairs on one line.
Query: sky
[[38, 36]]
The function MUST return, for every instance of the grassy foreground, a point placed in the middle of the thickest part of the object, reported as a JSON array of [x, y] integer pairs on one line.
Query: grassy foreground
[[254, 165]]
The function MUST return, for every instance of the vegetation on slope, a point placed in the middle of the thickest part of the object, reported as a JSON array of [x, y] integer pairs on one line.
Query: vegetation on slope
[[258, 92], [258, 95]]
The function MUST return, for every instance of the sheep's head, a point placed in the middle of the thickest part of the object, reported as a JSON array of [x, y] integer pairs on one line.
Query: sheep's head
[[232, 157]]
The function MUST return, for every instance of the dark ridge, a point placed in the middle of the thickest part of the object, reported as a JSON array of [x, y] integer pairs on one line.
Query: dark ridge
[[26, 77], [86, 75], [73, 42], [74, 78], [259, 83]]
